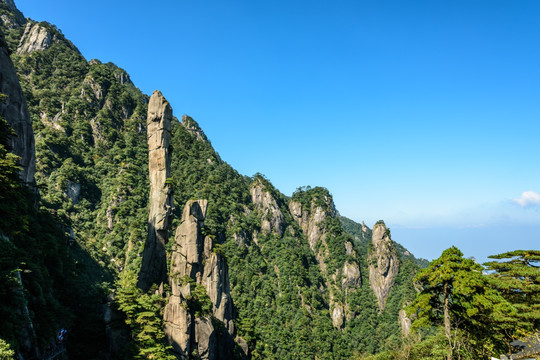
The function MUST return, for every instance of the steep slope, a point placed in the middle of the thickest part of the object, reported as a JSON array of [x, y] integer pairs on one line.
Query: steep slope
[[13, 108], [285, 255], [198, 315], [279, 275], [17, 158], [89, 122], [42, 287], [89, 125]]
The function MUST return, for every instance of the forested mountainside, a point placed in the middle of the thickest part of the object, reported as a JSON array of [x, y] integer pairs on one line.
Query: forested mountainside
[[142, 242]]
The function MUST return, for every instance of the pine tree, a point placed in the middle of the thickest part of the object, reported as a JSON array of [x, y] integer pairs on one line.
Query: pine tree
[[518, 280], [456, 295], [144, 317]]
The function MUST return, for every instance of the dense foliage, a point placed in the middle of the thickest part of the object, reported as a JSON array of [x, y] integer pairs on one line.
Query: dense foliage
[[39, 267], [72, 254], [91, 152], [91, 171], [517, 278]]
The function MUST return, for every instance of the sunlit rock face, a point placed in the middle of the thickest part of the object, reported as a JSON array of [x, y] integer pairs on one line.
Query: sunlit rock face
[[154, 263], [194, 263], [383, 264], [272, 220], [36, 37]]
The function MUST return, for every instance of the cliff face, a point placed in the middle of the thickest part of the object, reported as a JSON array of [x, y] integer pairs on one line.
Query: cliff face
[[272, 220], [199, 290], [13, 108], [154, 265], [383, 263], [35, 38], [315, 219]]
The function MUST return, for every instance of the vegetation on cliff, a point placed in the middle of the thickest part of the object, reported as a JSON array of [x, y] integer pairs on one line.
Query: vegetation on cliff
[[298, 272]]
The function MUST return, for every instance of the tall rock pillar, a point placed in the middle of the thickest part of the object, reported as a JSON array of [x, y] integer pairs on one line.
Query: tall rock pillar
[[154, 262], [383, 263]]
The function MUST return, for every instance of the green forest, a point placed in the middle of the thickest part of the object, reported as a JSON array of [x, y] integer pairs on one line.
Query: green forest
[[300, 276]]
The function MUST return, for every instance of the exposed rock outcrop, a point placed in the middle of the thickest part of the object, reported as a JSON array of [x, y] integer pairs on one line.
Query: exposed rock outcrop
[[351, 275], [312, 220], [405, 323], [36, 37], [194, 128], [194, 264], [272, 220], [73, 190], [154, 262], [383, 263], [13, 108]]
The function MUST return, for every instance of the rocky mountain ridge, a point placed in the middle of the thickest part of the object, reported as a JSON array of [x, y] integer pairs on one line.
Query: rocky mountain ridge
[[280, 275]]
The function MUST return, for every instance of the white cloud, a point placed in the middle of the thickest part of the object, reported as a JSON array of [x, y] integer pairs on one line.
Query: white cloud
[[528, 198]]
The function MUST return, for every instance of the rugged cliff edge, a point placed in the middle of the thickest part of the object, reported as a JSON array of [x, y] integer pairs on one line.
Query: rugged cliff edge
[[154, 265]]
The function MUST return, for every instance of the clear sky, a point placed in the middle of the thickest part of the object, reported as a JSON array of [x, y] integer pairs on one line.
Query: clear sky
[[423, 113]]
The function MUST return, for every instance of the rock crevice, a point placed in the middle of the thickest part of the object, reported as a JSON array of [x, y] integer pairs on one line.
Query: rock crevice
[[197, 275]]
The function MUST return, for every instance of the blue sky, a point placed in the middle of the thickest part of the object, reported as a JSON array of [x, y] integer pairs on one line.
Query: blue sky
[[422, 113]]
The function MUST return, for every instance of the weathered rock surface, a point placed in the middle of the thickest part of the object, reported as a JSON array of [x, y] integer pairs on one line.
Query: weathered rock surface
[[404, 322], [13, 108], [205, 338], [193, 263], [351, 275], [73, 190], [312, 221], [194, 128], [383, 263], [272, 220], [178, 325], [338, 316], [154, 262], [36, 37]]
